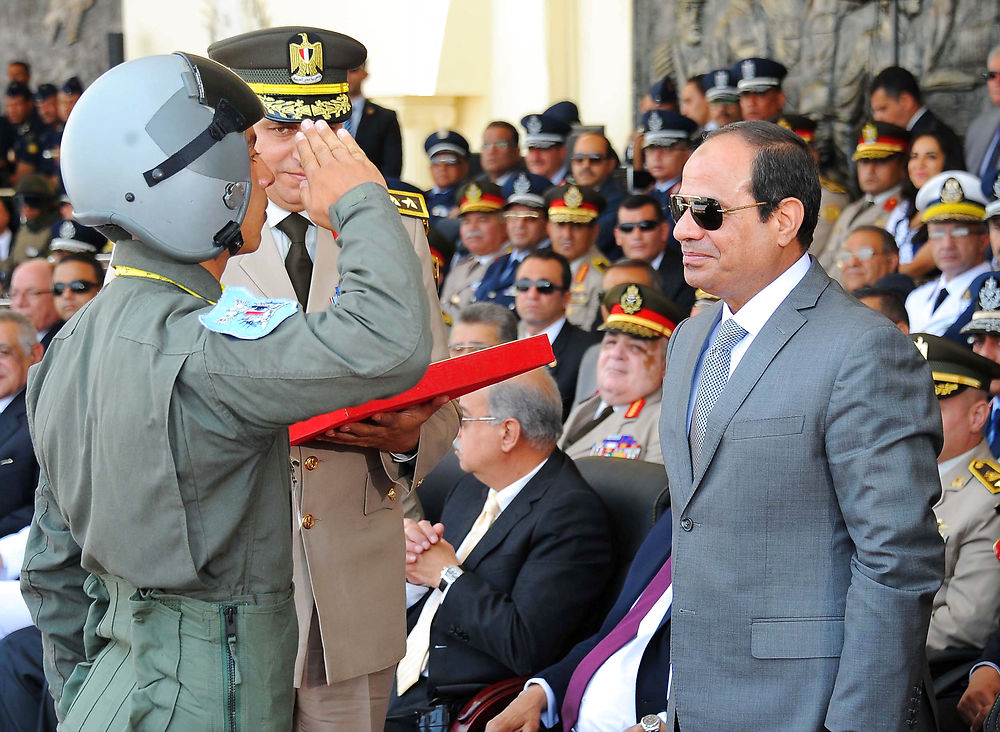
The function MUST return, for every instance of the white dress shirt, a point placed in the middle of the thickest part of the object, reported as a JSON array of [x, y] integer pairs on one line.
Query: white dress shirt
[[275, 215], [920, 303]]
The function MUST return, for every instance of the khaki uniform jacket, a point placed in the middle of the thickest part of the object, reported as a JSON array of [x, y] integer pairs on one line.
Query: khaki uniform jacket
[[461, 282], [348, 543], [967, 607], [584, 303], [854, 215], [832, 201], [640, 422], [163, 446]]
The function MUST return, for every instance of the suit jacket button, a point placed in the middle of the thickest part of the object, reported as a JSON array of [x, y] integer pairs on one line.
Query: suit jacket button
[[687, 524], [311, 463], [308, 521]]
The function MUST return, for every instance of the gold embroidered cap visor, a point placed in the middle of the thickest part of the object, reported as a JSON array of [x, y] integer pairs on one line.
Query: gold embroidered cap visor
[[953, 366], [298, 72]]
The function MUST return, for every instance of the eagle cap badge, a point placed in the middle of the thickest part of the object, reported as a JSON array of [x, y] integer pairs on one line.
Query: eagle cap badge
[[306, 60]]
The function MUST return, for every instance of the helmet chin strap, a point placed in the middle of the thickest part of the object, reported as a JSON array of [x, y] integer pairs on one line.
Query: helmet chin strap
[[227, 119], [229, 237]]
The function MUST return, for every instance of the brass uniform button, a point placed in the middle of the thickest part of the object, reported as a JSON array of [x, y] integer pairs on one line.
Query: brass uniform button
[[311, 463], [308, 521], [391, 494]]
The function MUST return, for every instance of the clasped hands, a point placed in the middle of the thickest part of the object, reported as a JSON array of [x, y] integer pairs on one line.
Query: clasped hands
[[427, 552]]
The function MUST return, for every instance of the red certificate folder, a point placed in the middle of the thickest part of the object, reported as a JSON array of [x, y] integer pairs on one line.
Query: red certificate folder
[[454, 377]]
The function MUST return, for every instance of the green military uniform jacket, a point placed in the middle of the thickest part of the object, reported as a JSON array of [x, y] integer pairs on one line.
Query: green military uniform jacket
[[630, 432], [585, 289], [966, 608], [163, 446]]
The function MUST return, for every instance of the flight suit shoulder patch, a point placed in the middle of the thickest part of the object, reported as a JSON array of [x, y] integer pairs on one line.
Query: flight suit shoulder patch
[[986, 472], [241, 314]]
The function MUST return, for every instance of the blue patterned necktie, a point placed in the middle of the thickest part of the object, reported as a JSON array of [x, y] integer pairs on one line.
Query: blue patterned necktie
[[714, 376]]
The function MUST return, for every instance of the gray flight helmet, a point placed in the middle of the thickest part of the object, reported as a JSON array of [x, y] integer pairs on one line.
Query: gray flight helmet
[[155, 150]]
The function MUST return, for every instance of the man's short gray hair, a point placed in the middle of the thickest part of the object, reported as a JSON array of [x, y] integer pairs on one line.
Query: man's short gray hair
[[489, 313], [535, 404], [27, 336]]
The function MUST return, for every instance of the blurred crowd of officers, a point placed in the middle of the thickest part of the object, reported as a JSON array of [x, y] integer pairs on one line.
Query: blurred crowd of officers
[[548, 230]]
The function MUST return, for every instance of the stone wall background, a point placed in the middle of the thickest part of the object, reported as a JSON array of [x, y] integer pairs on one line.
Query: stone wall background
[[59, 38], [832, 49]]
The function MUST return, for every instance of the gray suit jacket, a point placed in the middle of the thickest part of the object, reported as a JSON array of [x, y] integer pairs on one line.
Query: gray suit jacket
[[805, 551], [978, 136]]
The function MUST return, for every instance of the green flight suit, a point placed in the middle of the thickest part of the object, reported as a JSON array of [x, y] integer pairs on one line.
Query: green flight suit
[[164, 467]]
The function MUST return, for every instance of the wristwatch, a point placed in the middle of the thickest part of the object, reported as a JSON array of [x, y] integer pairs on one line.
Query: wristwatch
[[448, 576], [650, 723]]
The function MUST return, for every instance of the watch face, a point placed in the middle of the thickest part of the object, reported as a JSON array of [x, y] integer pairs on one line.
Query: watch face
[[650, 723]]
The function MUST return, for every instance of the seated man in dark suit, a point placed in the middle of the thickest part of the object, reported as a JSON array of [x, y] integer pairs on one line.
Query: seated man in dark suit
[[503, 586], [984, 685], [542, 294], [617, 678], [19, 348]]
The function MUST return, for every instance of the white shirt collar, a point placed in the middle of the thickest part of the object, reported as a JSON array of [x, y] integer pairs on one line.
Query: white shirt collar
[[884, 195], [552, 332], [5, 401], [667, 185], [759, 308], [507, 494], [276, 214], [657, 260]]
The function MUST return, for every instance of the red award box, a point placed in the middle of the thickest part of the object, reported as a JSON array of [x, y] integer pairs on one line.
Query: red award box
[[454, 377]]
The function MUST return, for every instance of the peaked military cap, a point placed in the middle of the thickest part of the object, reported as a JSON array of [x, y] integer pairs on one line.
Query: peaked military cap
[[880, 140], [71, 236], [800, 125], [45, 91], [573, 204], [954, 367], [665, 127], [479, 196], [986, 319], [991, 192], [953, 195], [298, 72], [545, 130], [72, 85], [640, 310], [566, 111], [526, 189], [446, 141], [758, 74], [719, 85], [664, 91], [18, 89]]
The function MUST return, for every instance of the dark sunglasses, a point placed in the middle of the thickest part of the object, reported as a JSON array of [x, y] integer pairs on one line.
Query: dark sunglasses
[[990, 75], [592, 157], [77, 286], [707, 212], [646, 225], [544, 287]]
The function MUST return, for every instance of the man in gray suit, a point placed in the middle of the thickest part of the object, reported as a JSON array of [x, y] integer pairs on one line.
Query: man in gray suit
[[982, 140], [805, 551]]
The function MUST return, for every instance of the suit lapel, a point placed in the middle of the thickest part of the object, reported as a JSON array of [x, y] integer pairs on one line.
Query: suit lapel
[[325, 276], [516, 511], [777, 331], [11, 418], [265, 268]]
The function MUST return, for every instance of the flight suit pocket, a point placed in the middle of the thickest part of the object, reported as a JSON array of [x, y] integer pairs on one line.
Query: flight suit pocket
[[156, 651], [796, 637]]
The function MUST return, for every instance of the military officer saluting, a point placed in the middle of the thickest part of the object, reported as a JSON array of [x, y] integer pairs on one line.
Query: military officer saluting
[[966, 608], [622, 418], [159, 562]]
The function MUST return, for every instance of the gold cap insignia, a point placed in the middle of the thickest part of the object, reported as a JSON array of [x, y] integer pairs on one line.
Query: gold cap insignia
[[921, 345], [306, 60], [870, 133], [631, 300], [944, 389], [473, 193], [951, 191], [573, 197], [534, 125]]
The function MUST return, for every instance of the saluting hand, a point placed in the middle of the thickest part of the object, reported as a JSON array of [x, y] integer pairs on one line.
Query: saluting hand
[[333, 164]]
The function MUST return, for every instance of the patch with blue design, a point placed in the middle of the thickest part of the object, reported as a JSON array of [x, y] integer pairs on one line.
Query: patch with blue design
[[242, 314], [619, 446]]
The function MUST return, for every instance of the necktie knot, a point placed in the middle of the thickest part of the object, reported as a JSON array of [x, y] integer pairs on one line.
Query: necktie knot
[[294, 226], [730, 333]]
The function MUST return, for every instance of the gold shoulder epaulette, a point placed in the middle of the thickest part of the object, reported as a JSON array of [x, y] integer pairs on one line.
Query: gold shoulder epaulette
[[831, 185], [600, 264], [411, 204], [986, 472]]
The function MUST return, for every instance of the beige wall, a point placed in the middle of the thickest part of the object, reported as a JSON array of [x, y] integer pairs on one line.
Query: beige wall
[[439, 63]]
